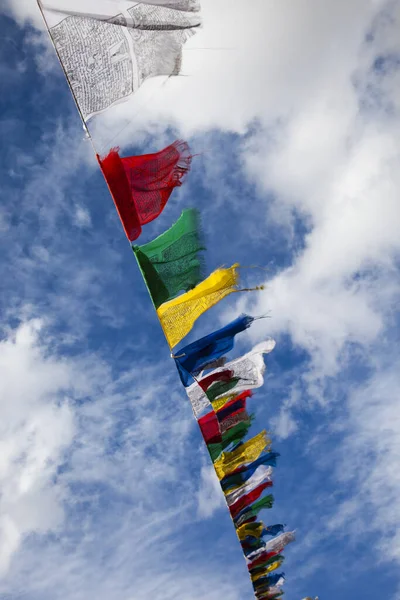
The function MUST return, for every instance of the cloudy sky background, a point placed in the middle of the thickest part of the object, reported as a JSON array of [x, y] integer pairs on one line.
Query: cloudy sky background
[[106, 489]]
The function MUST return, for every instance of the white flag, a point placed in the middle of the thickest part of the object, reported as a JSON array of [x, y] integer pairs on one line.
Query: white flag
[[109, 48], [249, 369], [260, 475]]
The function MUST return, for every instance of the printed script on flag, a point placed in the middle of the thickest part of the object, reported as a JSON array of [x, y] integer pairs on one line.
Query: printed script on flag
[[109, 48]]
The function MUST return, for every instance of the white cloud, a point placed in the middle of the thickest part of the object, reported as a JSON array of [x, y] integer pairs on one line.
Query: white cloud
[[284, 424], [121, 444], [209, 496], [82, 217], [36, 428], [371, 453], [336, 166]]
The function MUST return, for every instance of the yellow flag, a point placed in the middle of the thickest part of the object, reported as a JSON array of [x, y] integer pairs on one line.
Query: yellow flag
[[219, 403], [267, 570], [260, 574], [246, 453], [274, 565], [178, 316], [244, 530]]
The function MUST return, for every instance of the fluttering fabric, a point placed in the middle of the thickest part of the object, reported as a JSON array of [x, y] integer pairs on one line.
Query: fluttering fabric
[[171, 263], [178, 316], [248, 371], [225, 401], [275, 545], [249, 368], [264, 558], [242, 474], [248, 499], [262, 474], [106, 57], [108, 54], [250, 530], [222, 400], [246, 453], [252, 511], [257, 530], [219, 388], [210, 429], [234, 420], [273, 529], [272, 593], [216, 377], [233, 407], [196, 356], [270, 580], [235, 434], [224, 432], [141, 185], [279, 542], [273, 559], [233, 437], [267, 569]]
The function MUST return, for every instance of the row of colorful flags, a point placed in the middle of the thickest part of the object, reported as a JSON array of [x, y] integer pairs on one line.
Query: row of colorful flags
[[106, 57], [219, 390]]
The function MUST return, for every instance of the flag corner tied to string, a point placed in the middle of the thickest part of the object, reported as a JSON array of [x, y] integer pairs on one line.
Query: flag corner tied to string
[[141, 185]]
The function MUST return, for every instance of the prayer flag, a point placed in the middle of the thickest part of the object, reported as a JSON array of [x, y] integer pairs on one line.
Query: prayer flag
[[194, 357], [244, 473], [248, 373], [108, 54], [141, 185], [178, 316], [171, 263], [252, 511], [248, 499], [262, 474], [246, 453]]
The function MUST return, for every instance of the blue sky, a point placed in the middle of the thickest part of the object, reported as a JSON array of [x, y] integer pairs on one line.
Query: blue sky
[[106, 488]]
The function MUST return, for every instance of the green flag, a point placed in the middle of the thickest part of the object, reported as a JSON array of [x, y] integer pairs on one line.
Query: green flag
[[171, 264]]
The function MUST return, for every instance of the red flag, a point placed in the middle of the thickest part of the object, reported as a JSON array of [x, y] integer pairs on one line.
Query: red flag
[[225, 376], [141, 185], [209, 426], [248, 499], [262, 559]]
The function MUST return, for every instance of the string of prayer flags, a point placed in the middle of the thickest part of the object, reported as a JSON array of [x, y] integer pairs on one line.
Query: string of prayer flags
[[107, 54], [178, 316], [171, 263], [141, 185], [195, 357]]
